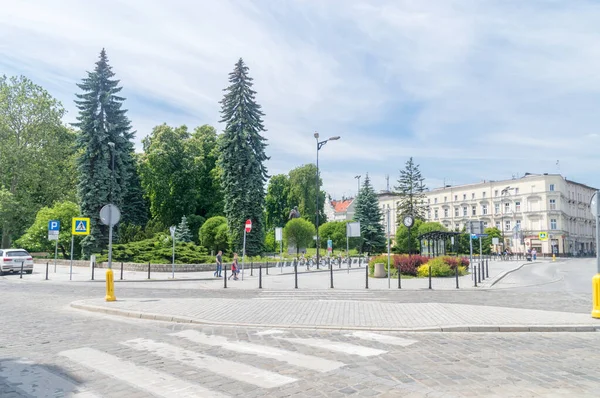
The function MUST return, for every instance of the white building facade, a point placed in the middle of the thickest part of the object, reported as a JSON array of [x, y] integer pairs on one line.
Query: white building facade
[[546, 204]]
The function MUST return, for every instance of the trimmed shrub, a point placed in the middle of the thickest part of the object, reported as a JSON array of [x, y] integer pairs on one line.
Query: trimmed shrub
[[409, 265], [441, 268]]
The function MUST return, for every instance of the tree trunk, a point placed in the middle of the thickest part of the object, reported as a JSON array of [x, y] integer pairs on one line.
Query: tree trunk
[[5, 238]]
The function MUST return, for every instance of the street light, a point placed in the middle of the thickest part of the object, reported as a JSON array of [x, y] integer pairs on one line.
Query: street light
[[319, 146], [110, 225], [358, 178]]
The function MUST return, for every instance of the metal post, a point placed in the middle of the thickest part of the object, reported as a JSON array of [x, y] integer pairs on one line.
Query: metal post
[[479, 273], [456, 274], [367, 277], [22, 262], [46, 271], [267, 267], [399, 277], [471, 246], [330, 273], [243, 253], [389, 271], [487, 270], [225, 276], [93, 266], [251, 268], [55, 254], [317, 199], [173, 262], [430, 276], [121, 270], [148, 269], [260, 275], [71, 266], [474, 274], [296, 274], [482, 269]]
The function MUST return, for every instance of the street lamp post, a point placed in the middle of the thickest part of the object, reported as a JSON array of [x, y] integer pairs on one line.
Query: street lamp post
[[358, 178], [110, 223], [319, 146]]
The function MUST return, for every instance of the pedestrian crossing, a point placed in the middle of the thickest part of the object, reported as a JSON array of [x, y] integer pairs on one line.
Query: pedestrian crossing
[[317, 295], [192, 363]]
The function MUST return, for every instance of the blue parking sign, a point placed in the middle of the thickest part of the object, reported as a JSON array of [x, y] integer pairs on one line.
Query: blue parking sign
[[54, 225]]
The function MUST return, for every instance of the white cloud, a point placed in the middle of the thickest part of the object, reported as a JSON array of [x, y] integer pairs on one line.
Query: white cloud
[[472, 89]]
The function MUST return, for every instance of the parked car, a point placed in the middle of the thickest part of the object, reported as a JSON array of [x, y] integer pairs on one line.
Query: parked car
[[10, 261]]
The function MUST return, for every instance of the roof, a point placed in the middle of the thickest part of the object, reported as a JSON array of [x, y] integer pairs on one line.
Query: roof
[[340, 206]]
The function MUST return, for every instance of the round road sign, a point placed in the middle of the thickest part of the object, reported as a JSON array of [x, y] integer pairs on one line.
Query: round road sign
[[248, 225], [110, 215]]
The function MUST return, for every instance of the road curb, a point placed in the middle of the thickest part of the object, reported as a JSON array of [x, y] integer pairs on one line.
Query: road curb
[[505, 273], [450, 328]]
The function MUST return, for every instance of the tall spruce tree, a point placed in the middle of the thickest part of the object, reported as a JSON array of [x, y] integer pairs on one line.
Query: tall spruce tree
[[242, 160], [102, 121], [369, 215], [411, 189]]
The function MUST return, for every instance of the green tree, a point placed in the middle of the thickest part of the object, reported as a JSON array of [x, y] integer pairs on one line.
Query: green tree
[[204, 147], [214, 234], [101, 121], [411, 189], [430, 226], [36, 236], [336, 231], [277, 201], [369, 215], [242, 158], [36, 154], [401, 245], [303, 193], [299, 233], [487, 241], [182, 231]]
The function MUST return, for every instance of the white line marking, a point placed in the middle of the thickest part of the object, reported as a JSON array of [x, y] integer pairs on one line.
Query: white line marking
[[152, 381], [36, 381], [290, 357], [269, 332], [383, 338], [233, 370], [345, 348]]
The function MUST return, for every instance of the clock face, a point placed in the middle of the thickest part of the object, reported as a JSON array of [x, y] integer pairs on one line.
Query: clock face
[[408, 221]]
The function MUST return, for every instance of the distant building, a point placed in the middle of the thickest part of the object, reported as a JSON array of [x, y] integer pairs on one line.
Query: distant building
[[339, 210], [532, 204]]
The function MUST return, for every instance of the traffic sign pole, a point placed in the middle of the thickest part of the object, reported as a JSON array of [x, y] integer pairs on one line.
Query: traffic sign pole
[[595, 207], [55, 254], [243, 254]]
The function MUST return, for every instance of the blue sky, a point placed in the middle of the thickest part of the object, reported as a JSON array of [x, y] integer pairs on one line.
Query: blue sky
[[472, 89]]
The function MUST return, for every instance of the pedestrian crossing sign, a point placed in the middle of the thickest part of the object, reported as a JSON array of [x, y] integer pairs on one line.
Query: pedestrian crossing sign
[[81, 226]]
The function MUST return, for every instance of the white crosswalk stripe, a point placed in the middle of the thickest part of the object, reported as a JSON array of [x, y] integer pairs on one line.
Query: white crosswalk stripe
[[278, 354], [152, 381], [382, 338], [234, 370], [336, 346]]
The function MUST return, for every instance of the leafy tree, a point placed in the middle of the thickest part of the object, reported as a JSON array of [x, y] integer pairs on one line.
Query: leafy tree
[[102, 121], [36, 154], [411, 189], [214, 234], [242, 158], [204, 148], [487, 241], [277, 201], [182, 232], [336, 231], [303, 193], [369, 215], [36, 236], [430, 226], [299, 233], [401, 245]]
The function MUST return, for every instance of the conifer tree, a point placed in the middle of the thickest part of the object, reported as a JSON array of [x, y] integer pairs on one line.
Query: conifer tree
[[411, 189], [242, 160], [102, 121], [182, 232], [369, 215]]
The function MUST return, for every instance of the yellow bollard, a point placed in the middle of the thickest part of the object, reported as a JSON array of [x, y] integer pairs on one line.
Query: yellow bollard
[[553, 257], [596, 296], [110, 286]]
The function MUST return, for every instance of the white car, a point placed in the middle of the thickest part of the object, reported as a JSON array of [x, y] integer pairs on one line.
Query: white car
[[10, 261]]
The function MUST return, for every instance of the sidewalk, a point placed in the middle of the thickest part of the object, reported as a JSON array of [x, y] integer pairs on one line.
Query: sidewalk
[[286, 312], [281, 278]]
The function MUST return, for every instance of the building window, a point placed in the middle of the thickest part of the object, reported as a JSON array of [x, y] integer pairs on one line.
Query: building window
[[456, 213], [472, 196], [517, 206], [456, 226], [435, 200], [507, 225], [552, 204], [516, 191], [518, 223], [465, 211], [553, 223], [485, 224], [552, 187], [496, 208], [429, 214], [496, 192], [428, 200], [484, 209], [484, 194], [464, 196], [445, 199], [506, 207], [435, 214], [445, 212], [497, 224], [455, 197], [474, 210]]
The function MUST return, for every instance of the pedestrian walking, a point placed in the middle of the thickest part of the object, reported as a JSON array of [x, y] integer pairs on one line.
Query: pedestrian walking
[[534, 254], [219, 259], [235, 270]]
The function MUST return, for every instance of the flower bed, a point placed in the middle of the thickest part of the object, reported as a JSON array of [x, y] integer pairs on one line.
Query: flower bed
[[417, 265]]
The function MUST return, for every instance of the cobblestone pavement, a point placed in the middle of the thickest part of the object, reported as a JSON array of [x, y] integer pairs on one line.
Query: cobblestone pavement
[[50, 350]]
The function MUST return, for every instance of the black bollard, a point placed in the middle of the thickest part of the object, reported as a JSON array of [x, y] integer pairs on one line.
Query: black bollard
[[475, 275], [148, 269], [479, 273], [225, 276], [487, 269], [46, 271], [295, 274], [399, 277], [456, 275], [260, 275], [93, 266], [366, 277], [267, 267], [251, 268], [21, 277], [430, 276], [121, 270]]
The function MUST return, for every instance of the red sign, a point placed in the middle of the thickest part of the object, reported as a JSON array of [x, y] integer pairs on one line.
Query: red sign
[[248, 225]]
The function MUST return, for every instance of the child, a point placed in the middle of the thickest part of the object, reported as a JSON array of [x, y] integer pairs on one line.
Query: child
[[234, 268]]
